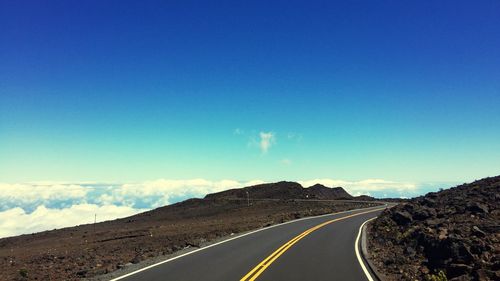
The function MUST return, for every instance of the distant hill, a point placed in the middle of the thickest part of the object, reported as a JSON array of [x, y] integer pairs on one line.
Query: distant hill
[[319, 191], [283, 190]]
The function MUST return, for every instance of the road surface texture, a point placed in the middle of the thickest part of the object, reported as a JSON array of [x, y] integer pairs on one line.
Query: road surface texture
[[319, 248]]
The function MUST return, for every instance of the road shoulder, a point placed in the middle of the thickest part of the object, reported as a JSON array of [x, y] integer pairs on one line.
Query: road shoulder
[[365, 254]]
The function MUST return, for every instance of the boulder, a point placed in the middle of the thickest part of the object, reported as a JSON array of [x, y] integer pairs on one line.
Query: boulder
[[402, 217], [424, 213], [476, 207], [429, 202]]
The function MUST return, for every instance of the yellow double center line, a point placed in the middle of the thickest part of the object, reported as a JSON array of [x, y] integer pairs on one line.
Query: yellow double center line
[[256, 271]]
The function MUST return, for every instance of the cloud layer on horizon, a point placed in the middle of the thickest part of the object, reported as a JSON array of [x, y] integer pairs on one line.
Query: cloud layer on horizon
[[32, 207], [17, 221]]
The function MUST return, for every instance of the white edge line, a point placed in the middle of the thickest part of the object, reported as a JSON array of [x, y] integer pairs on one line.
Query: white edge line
[[239, 236], [356, 248]]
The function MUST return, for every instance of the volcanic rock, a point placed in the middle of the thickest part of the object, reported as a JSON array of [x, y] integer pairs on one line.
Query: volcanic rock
[[402, 217], [454, 232]]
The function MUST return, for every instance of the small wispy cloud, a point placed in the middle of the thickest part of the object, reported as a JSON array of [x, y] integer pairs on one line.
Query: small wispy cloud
[[267, 139], [286, 161], [238, 132], [294, 136]]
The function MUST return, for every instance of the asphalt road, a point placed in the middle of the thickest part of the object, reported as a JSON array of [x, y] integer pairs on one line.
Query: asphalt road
[[320, 248]]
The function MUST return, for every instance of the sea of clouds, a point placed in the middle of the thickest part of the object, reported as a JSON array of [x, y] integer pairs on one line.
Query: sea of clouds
[[33, 207]]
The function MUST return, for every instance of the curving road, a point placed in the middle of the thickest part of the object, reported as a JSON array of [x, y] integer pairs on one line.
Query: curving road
[[318, 248]]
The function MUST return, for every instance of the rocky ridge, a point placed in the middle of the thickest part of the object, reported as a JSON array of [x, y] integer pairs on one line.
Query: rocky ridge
[[453, 234]]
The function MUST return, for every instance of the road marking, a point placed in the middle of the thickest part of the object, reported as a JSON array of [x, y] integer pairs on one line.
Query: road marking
[[233, 238], [257, 270], [356, 248]]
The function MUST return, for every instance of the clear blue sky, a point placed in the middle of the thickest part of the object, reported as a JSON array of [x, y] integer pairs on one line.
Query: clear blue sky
[[121, 91]]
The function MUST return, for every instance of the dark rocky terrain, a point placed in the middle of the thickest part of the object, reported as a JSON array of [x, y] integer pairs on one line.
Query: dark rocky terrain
[[453, 234], [89, 250]]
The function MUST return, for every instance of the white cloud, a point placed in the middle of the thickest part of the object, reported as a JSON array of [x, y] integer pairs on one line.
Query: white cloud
[[23, 194], [253, 182], [149, 194], [46, 192], [267, 139], [358, 193], [16, 221], [161, 191]]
